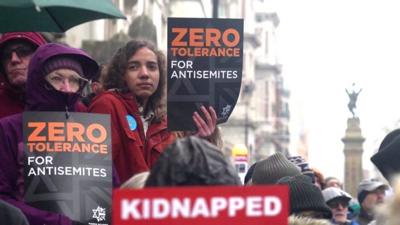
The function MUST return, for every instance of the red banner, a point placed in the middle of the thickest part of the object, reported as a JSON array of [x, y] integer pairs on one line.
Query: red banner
[[222, 205]]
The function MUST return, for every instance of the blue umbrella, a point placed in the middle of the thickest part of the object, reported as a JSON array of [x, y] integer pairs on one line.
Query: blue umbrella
[[53, 15]]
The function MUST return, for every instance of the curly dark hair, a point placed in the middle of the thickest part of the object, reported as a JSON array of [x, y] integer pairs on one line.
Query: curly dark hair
[[119, 64]]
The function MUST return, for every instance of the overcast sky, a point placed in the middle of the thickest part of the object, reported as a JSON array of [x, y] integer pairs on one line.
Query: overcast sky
[[325, 46]]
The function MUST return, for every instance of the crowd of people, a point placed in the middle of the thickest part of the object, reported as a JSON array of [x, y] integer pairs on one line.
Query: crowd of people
[[131, 88]]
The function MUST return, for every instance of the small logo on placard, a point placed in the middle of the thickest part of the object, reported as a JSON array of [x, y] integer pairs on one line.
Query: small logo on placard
[[226, 110], [99, 213]]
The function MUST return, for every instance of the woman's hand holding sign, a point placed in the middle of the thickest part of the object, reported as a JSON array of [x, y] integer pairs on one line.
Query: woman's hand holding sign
[[205, 128]]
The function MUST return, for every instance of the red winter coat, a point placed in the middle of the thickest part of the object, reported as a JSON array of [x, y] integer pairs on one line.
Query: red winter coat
[[11, 98], [12, 101], [132, 152]]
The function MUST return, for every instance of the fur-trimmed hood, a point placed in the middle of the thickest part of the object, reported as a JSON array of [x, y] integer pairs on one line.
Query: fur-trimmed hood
[[295, 220]]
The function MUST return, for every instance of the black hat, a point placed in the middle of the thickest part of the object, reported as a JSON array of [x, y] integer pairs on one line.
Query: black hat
[[388, 156], [273, 168], [305, 196], [249, 173]]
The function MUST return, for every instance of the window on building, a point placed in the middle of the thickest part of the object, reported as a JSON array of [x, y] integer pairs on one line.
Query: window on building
[[275, 110], [266, 42], [266, 103], [285, 110]]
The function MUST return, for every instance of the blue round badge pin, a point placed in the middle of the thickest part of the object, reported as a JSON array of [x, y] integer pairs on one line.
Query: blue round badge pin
[[131, 122]]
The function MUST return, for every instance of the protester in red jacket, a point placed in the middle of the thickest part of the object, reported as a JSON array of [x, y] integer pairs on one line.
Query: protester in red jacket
[[16, 50], [135, 81]]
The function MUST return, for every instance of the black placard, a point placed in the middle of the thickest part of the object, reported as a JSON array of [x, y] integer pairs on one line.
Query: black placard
[[204, 68], [68, 166]]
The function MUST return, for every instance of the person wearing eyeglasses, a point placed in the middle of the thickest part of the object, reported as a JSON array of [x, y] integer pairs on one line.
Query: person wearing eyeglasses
[[57, 75], [16, 49], [338, 201]]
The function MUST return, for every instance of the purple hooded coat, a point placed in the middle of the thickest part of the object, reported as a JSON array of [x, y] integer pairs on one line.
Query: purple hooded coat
[[40, 97]]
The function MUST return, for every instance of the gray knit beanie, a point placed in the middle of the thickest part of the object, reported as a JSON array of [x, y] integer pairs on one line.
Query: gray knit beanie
[[271, 169]]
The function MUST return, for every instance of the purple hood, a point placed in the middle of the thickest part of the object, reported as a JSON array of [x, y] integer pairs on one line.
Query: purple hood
[[40, 96]]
